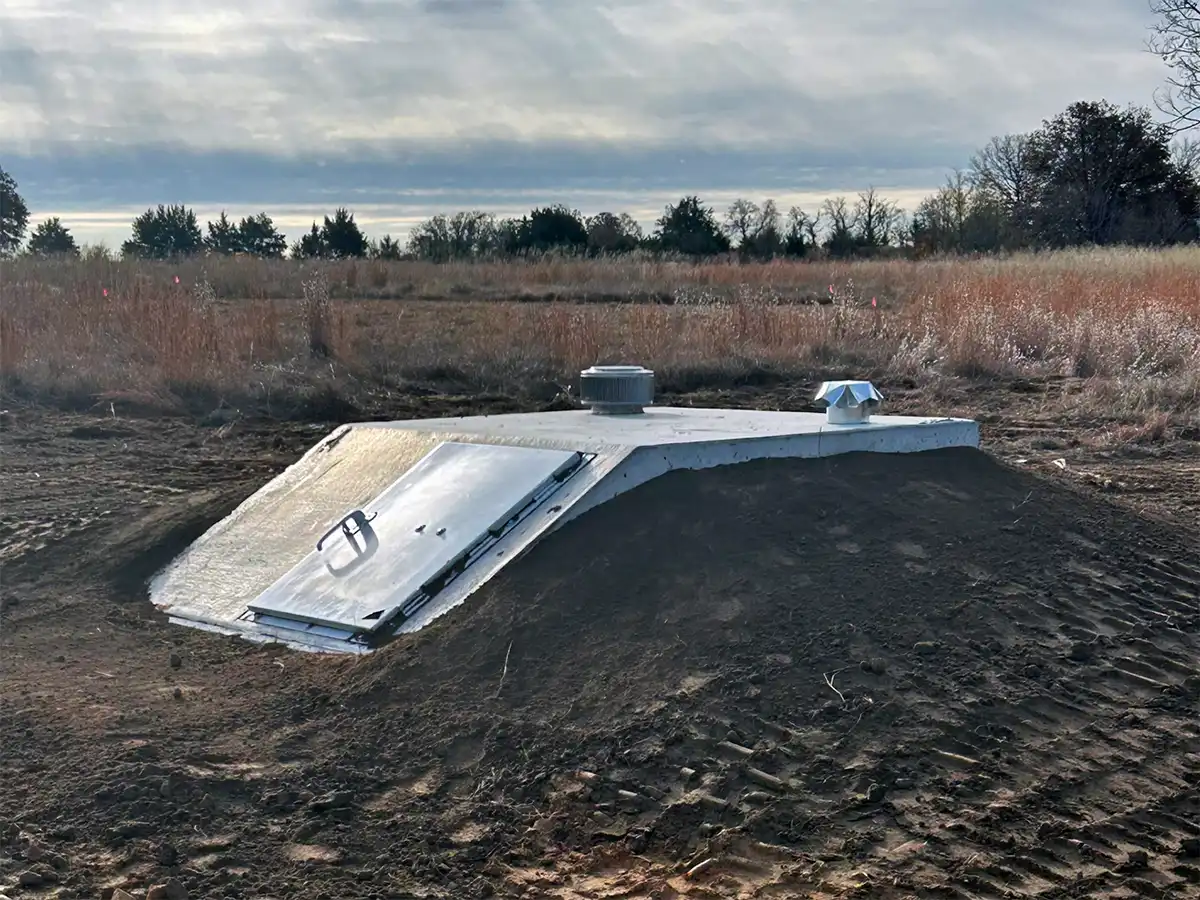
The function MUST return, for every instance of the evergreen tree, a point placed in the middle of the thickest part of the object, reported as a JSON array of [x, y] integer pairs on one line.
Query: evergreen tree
[[14, 215], [223, 237], [164, 233], [51, 238]]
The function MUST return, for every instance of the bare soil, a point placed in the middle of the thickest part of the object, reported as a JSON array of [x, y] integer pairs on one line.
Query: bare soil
[[953, 674]]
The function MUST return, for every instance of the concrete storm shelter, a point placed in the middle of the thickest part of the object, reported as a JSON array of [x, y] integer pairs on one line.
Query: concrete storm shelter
[[382, 527]]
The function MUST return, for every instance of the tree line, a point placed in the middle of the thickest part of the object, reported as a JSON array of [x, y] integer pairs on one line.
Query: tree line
[[1095, 174]]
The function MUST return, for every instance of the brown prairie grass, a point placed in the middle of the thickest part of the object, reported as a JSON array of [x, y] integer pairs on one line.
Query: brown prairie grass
[[1126, 322]]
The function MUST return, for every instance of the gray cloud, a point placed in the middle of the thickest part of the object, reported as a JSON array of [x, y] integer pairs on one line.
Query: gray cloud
[[100, 102]]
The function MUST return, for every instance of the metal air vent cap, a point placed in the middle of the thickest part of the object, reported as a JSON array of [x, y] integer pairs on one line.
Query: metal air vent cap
[[616, 390], [848, 401]]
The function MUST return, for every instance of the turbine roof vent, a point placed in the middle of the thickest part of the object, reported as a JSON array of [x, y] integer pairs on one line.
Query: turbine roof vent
[[848, 401], [616, 390]]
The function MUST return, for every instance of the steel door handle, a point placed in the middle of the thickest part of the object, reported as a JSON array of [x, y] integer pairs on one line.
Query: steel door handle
[[370, 541]]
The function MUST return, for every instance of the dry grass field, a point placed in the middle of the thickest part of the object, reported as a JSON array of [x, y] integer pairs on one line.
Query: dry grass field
[[960, 674], [1120, 325]]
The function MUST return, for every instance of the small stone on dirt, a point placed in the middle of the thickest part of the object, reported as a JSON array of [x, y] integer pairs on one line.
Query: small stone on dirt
[[876, 793], [332, 800], [177, 693], [176, 660], [171, 889], [1190, 847], [29, 879], [34, 853], [1138, 859], [927, 648], [119, 894]]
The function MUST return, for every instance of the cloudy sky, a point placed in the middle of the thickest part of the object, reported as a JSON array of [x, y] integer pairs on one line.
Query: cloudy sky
[[402, 108]]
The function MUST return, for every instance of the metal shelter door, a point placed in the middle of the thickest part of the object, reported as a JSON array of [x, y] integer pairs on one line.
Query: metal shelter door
[[397, 552]]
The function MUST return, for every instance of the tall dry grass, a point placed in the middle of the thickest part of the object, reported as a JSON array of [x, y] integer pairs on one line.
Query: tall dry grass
[[1126, 321]]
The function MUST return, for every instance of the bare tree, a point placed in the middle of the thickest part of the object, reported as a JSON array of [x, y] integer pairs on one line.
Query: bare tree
[[838, 213], [940, 220], [839, 241], [767, 240], [768, 218], [805, 225], [1002, 170], [1185, 154], [630, 228], [958, 198], [741, 219], [459, 236], [755, 227], [1176, 40], [876, 220], [800, 235], [1005, 181], [470, 232]]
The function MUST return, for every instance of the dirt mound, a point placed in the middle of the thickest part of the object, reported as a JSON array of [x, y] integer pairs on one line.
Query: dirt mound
[[857, 676], [894, 648]]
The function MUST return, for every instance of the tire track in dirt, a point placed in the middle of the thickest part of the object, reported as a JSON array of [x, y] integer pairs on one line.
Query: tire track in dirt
[[931, 676]]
